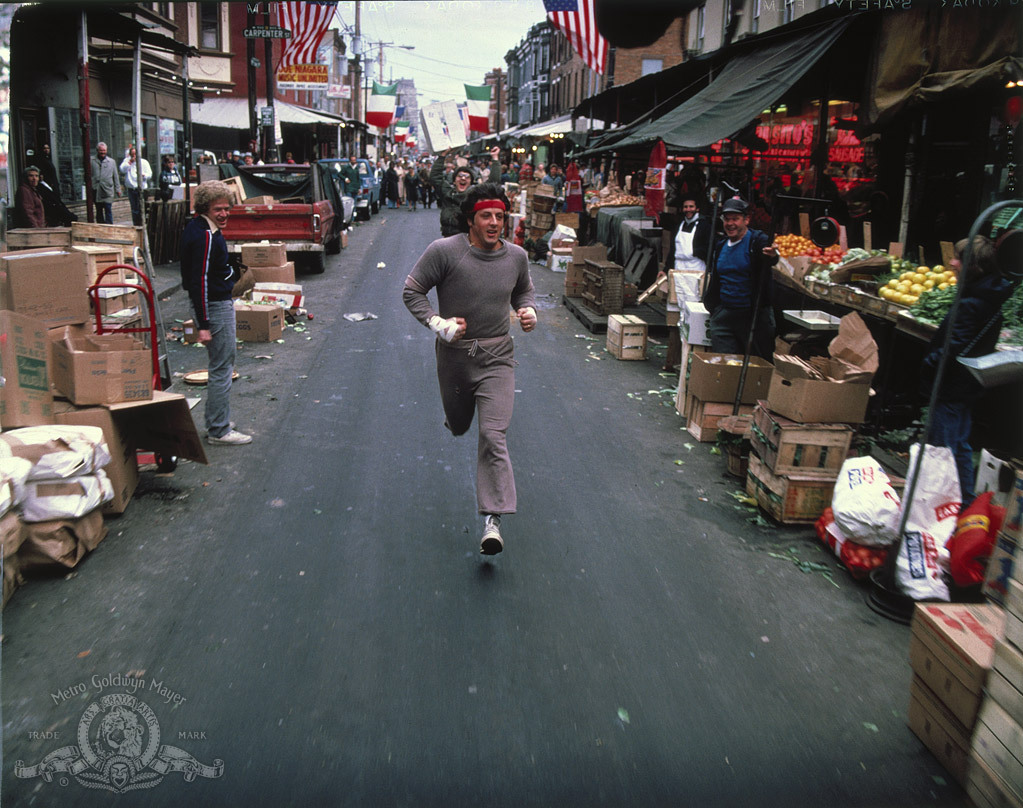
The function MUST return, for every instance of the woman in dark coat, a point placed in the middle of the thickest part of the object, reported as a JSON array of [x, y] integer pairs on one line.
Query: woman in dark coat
[[412, 188], [391, 186]]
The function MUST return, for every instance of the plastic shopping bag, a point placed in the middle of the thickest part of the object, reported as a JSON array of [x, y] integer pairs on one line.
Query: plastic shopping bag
[[923, 557], [865, 505]]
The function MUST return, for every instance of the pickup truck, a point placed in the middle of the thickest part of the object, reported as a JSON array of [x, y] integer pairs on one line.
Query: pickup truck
[[301, 206], [368, 199]]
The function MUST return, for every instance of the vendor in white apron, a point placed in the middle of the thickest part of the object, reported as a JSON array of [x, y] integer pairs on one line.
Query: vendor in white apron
[[687, 254]]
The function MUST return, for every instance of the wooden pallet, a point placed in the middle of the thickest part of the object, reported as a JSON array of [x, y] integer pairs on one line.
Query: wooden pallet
[[89, 233]]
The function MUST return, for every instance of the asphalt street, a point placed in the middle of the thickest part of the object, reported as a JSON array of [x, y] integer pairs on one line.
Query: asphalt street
[[309, 616]]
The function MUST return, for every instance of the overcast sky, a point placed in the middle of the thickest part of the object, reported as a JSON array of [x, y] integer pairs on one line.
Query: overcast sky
[[456, 41]]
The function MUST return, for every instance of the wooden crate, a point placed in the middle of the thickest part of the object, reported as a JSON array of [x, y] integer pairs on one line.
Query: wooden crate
[[27, 238], [605, 282], [702, 417], [118, 234], [789, 447], [99, 257], [790, 499], [237, 189], [567, 219], [544, 220], [626, 336]]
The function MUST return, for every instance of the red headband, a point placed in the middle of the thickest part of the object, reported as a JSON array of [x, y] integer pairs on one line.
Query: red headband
[[488, 203]]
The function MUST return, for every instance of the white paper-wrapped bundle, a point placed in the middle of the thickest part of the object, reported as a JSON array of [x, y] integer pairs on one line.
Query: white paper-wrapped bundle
[[65, 499], [14, 473], [57, 452]]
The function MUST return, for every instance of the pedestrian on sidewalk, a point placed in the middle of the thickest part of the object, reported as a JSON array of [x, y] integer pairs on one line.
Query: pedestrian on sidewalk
[[106, 184], [209, 280], [137, 176], [478, 277]]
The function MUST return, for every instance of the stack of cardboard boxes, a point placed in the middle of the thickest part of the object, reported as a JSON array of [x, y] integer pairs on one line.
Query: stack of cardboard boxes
[[58, 371], [996, 757], [706, 394], [805, 417], [260, 318]]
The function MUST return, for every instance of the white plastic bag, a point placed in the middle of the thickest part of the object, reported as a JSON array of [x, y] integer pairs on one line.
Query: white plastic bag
[[864, 504], [923, 557], [57, 451]]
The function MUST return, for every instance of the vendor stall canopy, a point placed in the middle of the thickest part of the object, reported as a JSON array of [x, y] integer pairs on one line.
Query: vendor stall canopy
[[746, 86]]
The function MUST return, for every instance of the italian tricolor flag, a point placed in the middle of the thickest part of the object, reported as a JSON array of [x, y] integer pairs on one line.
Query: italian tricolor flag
[[478, 107], [400, 131], [380, 107]]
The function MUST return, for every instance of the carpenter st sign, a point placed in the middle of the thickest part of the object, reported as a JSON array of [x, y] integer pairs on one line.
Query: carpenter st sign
[[266, 32]]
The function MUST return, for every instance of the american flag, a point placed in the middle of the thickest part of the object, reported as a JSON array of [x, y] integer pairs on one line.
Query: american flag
[[308, 22], [577, 20]]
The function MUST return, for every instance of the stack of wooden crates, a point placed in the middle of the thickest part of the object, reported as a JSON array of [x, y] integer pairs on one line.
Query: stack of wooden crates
[[605, 286], [541, 215], [575, 276]]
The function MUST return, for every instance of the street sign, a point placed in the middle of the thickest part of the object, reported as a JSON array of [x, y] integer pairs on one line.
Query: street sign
[[266, 32], [266, 116]]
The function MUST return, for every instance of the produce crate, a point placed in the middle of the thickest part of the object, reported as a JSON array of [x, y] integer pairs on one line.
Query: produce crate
[[790, 499], [544, 220], [626, 336], [101, 256], [567, 219], [28, 238], [819, 289], [605, 282], [789, 447], [702, 417]]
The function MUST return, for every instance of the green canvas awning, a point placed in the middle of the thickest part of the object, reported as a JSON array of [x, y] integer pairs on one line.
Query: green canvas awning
[[746, 86]]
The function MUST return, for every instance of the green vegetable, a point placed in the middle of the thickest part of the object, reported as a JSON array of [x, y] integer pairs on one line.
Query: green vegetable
[[933, 304]]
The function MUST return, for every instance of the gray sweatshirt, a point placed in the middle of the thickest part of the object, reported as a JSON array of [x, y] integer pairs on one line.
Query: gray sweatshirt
[[479, 285]]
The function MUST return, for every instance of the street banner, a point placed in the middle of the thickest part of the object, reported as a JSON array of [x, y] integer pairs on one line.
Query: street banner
[[401, 129], [478, 108], [577, 20], [380, 107], [307, 22], [442, 126]]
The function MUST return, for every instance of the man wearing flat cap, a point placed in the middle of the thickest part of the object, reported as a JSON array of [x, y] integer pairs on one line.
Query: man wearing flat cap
[[738, 293]]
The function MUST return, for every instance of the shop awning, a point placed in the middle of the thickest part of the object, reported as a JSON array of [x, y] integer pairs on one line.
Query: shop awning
[[233, 113], [561, 125], [922, 55], [745, 87]]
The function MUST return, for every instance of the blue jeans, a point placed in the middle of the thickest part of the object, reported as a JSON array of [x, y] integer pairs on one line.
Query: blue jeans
[[951, 423], [104, 213], [135, 200], [221, 367]]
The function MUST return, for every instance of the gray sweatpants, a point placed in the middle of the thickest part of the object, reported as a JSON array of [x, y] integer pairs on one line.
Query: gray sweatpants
[[479, 375]]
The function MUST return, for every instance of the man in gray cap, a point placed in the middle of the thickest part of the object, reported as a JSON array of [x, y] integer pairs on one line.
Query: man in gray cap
[[738, 292]]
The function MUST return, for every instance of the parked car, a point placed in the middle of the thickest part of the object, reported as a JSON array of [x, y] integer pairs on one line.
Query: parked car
[[368, 200], [295, 203]]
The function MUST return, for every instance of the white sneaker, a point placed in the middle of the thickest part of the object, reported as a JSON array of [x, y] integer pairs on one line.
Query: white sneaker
[[492, 543], [230, 426], [230, 438]]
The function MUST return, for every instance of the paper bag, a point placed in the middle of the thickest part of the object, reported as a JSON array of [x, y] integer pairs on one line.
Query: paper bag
[[854, 345]]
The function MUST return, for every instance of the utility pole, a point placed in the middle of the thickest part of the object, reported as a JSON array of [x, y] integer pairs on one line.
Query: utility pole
[[270, 143], [357, 83], [250, 59]]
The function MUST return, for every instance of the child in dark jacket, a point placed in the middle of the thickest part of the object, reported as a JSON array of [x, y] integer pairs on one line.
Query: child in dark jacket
[[974, 333]]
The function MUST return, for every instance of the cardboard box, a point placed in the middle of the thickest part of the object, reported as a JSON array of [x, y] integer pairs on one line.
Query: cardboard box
[[560, 259], [1012, 527], [282, 274], [792, 499], [285, 295], [940, 731], [258, 323], [996, 476], [123, 468], [816, 402], [1003, 568], [113, 304], [264, 254], [715, 377], [163, 425], [25, 397], [696, 323], [626, 336], [951, 648], [702, 416], [103, 369], [49, 286], [998, 742], [594, 251]]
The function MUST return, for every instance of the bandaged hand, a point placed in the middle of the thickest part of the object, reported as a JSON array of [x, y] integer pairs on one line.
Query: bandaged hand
[[448, 330]]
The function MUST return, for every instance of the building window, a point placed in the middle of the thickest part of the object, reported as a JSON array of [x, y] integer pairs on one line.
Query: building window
[[209, 26], [790, 11], [163, 9], [726, 16], [649, 66], [701, 25], [754, 23]]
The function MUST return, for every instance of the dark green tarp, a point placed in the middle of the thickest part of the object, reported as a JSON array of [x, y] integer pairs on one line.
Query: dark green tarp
[[746, 86]]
